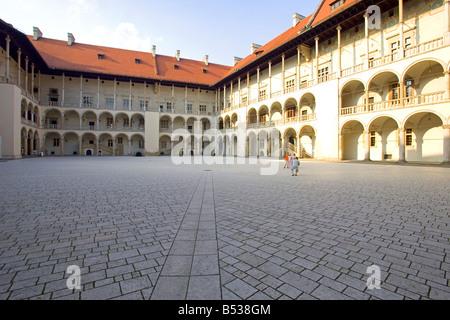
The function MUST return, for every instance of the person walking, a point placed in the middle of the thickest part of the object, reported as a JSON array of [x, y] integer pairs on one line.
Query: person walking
[[286, 160], [295, 164]]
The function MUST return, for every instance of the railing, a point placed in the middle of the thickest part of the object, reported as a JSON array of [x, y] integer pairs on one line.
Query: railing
[[428, 98], [280, 122], [424, 47]]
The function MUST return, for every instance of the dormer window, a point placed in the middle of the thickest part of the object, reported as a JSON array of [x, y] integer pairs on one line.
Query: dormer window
[[100, 56], [204, 70], [137, 61], [175, 66], [336, 4]]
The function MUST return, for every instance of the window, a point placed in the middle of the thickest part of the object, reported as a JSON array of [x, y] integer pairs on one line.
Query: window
[[109, 102], [202, 109], [137, 61], [119, 140], [88, 102], [409, 89], [373, 138], [141, 144], [100, 56], [323, 74], [336, 4], [109, 122], [126, 122], [290, 113], [143, 105], [163, 144], [290, 84], [395, 46], [409, 137], [262, 94], [126, 103], [169, 106], [244, 100], [263, 118], [189, 108], [165, 124], [408, 43], [110, 143], [56, 142], [395, 91]]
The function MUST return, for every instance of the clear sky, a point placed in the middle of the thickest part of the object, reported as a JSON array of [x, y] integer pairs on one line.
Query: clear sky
[[220, 29]]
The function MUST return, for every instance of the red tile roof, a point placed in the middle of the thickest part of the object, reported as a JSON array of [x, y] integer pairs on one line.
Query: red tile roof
[[84, 58], [324, 10], [271, 45]]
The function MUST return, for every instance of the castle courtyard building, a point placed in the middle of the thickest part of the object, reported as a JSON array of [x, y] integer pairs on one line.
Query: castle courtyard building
[[351, 81]]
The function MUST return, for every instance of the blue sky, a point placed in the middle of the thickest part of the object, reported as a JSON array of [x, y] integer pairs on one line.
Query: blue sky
[[220, 29]]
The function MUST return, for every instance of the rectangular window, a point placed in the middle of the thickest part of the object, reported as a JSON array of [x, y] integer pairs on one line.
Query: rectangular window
[[169, 106], [143, 105], [119, 140], [373, 139], [110, 143], [109, 122], [126, 103], [163, 144], [395, 91], [141, 144], [165, 124], [126, 122], [409, 137], [244, 100], [322, 76], [202, 109], [409, 89], [290, 113], [189, 108], [88, 102], [262, 94], [56, 142], [290, 84], [109, 103], [336, 4]]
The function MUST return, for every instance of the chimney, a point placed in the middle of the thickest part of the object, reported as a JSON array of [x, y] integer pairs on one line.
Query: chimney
[[177, 55], [71, 39], [205, 60], [236, 60], [255, 47], [296, 18], [154, 51], [36, 34]]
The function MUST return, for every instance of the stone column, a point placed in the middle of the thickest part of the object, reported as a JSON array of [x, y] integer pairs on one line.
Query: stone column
[[446, 141], [401, 145], [367, 145]]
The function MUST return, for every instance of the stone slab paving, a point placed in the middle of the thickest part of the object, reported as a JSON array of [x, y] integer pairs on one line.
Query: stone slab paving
[[143, 228]]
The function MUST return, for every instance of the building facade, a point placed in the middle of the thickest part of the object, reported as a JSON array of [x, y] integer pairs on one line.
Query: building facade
[[352, 81]]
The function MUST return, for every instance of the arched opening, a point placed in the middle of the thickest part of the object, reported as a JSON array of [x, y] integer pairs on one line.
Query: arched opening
[[71, 120], [276, 112], [71, 144], [384, 92], [424, 83], [53, 119], [106, 145], [89, 121], [290, 108], [121, 146], [165, 124], [353, 140], [290, 141], [88, 144], [121, 122], [252, 118], [137, 122], [165, 145], [383, 139], [307, 107], [307, 137], [106, 121], [352, 98], [52, 144], [137, 145], [264, 116], [424, 138]]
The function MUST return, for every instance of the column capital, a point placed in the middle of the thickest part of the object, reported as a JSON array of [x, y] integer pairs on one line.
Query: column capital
[[339, 28], [446, 126]]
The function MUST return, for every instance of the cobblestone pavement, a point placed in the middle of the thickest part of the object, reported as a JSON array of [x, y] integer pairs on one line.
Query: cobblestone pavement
[[143, 228]]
